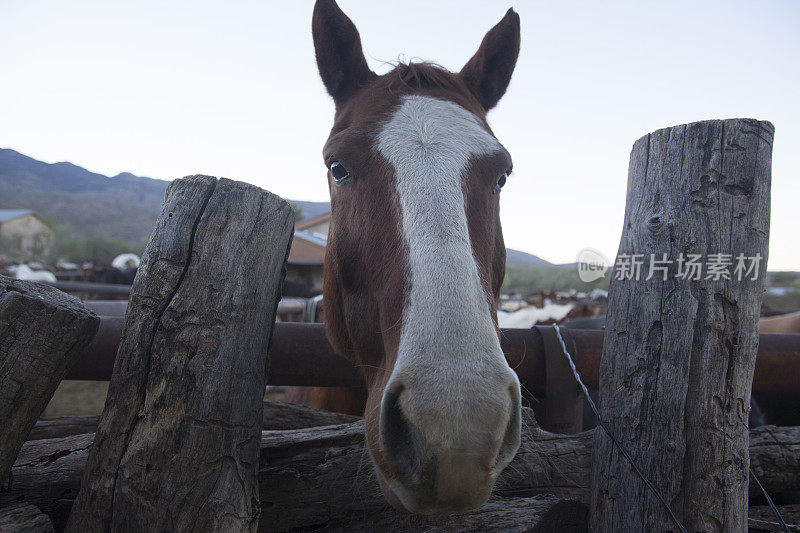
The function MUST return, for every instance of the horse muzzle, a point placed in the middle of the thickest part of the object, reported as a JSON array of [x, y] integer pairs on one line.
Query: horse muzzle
[[443, 457]]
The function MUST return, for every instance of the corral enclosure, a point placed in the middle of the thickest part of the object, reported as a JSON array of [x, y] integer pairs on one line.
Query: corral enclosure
[[187, 376]]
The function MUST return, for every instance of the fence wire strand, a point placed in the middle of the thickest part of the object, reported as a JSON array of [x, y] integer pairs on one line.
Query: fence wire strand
[[624, 452], [770, 502]]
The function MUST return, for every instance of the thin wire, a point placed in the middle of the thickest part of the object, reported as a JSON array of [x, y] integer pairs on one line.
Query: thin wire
[[771, 504], [624, 452]]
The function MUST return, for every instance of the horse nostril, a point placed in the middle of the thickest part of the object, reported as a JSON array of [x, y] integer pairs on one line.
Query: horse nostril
[[512, 436], [399, 437]]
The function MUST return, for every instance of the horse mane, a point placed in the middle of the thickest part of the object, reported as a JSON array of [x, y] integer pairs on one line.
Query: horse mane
[[421, 76]]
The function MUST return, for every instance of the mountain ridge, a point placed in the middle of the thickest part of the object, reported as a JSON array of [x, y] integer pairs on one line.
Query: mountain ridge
[[124, 206]]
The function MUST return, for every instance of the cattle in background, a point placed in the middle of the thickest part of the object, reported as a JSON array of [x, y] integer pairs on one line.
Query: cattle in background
[[26, 273], [298, 289], [109, 274], [126, 261]]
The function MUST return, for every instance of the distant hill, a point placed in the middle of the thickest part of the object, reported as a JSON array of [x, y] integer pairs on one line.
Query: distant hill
[[312, 209], [124, 206], [517, 259]]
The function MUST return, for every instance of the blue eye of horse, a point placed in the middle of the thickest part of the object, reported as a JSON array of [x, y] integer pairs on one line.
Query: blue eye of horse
[[501, 182], [339, 173]]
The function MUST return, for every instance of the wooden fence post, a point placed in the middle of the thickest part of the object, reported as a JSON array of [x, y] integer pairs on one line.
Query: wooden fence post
[[679, 353], [177, 445], [42, 333]]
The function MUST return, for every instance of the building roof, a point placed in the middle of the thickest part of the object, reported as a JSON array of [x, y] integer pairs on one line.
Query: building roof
[[8, 214], [316, 238], [324, 217], [308, 248]]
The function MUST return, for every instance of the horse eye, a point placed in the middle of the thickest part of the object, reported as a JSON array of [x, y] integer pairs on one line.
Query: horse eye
[[501, 182], [339, 173]]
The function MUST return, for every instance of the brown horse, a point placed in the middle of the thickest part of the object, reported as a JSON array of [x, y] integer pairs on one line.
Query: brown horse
[[788, 323], [414, 264], [780, 408]]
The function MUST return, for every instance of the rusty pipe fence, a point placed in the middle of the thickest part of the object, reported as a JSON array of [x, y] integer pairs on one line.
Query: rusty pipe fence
[[301, 355]]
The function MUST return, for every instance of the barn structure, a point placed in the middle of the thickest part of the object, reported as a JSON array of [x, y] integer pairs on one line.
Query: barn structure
[[307, 253], [24, 233]]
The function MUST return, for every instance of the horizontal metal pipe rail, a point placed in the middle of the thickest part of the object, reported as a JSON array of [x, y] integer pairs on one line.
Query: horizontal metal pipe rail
[[287, 306], [301, 355], [87, 286]]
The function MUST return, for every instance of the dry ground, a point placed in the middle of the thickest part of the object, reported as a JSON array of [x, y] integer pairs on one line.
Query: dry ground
[[83, 398], [75, 397]]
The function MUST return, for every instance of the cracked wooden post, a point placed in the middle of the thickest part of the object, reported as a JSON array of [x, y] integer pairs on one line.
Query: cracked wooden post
[[679, 354], [177, 445]]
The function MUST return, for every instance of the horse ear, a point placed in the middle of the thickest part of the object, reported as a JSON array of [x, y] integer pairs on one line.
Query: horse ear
[[340, 58], [489, 71]]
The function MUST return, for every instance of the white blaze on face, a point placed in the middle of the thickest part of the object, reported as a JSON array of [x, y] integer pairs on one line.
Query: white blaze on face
[[449, 351]]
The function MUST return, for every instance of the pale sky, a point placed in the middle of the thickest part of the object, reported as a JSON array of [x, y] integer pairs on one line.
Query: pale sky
[[167, 89]]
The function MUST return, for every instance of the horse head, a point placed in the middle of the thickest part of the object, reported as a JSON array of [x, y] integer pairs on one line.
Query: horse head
[[415, 259]]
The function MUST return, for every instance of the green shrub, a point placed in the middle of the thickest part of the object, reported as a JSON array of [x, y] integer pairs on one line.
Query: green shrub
[[95, 249], [534, 279]]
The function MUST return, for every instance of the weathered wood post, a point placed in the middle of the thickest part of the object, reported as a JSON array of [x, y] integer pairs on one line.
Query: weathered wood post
[[679, 352], [42, 333], [177, 445]]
